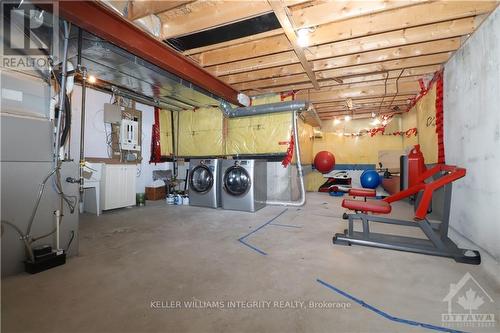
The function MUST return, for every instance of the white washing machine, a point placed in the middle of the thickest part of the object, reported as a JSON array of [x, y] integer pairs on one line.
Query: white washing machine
[[244, 184], [203, 181]]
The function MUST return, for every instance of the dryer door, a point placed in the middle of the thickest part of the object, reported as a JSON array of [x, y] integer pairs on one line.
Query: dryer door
[[201, 179], [236, 180]]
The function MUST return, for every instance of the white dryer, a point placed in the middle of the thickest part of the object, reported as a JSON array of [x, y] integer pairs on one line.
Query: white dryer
[[203, 180], [244, 184]]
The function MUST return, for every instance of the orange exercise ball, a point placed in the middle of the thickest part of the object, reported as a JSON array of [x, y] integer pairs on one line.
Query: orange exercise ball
[[324, 161]]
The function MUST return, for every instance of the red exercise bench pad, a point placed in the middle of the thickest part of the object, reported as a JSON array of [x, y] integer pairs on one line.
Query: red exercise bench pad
[[362, 192], [374, 206]]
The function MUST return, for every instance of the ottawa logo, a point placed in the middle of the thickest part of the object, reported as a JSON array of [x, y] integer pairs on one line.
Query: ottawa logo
[[467, 301]]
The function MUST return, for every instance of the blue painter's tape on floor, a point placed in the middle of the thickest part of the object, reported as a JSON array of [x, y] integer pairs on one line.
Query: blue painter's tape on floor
[[285, 225], [242, 239], [252, 247], [385, 314]]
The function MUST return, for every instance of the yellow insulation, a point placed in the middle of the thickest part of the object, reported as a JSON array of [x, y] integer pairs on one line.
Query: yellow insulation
[[409, 120], [357, 150], [205, 132], [423, 117], [200, 132], [313, 180], [165, 133], [426, 118], [306, 137], [258, 134]]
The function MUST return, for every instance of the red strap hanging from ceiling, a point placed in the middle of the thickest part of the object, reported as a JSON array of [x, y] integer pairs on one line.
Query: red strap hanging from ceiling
[[289, 152], [155, 139], [439, 116]]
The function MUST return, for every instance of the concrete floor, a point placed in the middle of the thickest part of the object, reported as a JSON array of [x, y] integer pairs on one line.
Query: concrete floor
[[131, 257]]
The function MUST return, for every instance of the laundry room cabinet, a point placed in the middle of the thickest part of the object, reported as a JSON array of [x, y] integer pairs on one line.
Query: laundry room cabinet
[[117, 186]]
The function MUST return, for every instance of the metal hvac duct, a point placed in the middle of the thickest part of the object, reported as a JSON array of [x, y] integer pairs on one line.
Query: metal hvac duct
[[263, 109]]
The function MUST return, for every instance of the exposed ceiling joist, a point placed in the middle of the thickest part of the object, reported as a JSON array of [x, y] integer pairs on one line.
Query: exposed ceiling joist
[[378, 48], [204, 15], [359, 115], [334, 11], [398, 19], [384, 66], [141, 8], [411, 73], [388, 102], [343, 56], [320, 66], [371, 91], [199, 52], [323, 114], [280, 11], [361, 83], [369, 100], [393, 20]]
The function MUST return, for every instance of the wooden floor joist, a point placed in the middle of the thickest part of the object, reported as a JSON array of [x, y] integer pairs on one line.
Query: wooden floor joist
[[138, 9], [387, 103], [358, 27], [384, 54], [373, 52], [356, 101], [381, 67], [340, 94], [414, 73], [280, 11]]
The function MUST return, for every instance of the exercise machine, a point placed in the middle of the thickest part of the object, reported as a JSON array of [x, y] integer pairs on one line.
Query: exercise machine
[[437, 242]]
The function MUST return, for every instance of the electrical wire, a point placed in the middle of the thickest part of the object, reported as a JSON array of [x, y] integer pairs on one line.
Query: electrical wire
[[397, 87], [385, 92]]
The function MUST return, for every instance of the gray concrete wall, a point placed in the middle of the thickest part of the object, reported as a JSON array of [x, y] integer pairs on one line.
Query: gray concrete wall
[[472, 135]]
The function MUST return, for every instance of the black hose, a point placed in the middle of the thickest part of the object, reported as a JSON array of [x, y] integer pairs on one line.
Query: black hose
[[70, 240], [67, 120]]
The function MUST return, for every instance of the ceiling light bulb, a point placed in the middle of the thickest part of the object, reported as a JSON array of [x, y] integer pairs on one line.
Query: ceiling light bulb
[[336, 121], [92, 79], [303, 37], [347, 118], [373, 114], [303, 32]]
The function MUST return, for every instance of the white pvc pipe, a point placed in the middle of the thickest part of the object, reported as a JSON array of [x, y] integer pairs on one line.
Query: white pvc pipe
[[58, 221]]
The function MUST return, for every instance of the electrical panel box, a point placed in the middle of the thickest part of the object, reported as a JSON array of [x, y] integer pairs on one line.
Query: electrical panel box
[[112, 113], [129, 135]]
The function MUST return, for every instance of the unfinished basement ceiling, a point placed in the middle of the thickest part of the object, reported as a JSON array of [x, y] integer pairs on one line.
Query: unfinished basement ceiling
[[120, 68], [371, 53]]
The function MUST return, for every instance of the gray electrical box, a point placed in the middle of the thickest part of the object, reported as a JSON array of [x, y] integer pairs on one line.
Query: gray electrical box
[[112, 113]]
